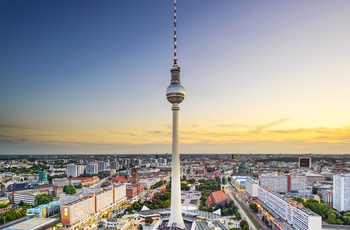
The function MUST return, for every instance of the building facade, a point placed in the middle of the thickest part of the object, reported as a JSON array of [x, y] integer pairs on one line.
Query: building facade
[[293, 213], [72, 170], [341, 192]]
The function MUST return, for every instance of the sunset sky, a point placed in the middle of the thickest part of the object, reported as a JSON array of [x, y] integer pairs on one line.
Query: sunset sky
[[89, 76]]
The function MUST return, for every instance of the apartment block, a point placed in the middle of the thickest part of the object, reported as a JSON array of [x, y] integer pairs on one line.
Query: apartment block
[[293, 213], [341, 192]]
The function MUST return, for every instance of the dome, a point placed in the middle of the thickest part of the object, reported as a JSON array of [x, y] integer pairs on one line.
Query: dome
[[175, 93]]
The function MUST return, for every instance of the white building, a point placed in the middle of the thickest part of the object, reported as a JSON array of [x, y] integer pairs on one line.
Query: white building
[[91, 168], [26, 197], [101, 166], [72, 170], [251, 187], [103, 200], [60, 181], [276, 183], [341, 192], [297, 183], [80, 169], [293, 213]]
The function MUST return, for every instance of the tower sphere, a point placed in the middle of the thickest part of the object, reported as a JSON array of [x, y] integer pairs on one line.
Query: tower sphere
[[175, 93]]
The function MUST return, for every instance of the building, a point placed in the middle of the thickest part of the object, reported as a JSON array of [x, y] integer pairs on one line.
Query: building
[[135, 188], [35, 224], [114, 165], [314, 178], [91, 168], [80, 169], [304, 162], [43, 176], [276, 183], [251, 187], [72, 170], [26, 197], [76, 211], [60, 181], [86, 208], [101, 166], [293, 213], [341, 192], [295, 183], [217, 198]]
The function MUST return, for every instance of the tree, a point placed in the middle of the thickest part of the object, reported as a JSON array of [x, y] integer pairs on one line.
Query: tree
[[148, 220], [314, 190], [244, 225], [21, 203], [43, 199], [69, 189], [254, 207], [191, 181], [78, 186]]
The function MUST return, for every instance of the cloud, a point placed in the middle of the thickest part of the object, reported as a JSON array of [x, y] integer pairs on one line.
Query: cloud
[[270, 125], [10, 127]]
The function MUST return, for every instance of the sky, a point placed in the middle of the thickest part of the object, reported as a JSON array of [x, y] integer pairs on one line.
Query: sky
[[90, 76]]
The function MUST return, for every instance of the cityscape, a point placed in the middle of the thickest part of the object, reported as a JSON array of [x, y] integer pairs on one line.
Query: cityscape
[[228, 191], [256, 135]]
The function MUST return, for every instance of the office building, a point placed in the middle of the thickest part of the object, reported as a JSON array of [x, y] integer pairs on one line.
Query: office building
[[341, 192]]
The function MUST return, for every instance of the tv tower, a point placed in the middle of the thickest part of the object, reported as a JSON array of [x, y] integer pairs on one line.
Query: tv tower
[[175, 93]]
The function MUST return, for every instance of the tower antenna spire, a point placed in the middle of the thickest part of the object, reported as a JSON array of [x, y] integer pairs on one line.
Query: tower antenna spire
[[175, 56]]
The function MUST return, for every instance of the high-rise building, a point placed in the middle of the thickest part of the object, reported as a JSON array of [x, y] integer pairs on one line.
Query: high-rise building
[[91, 168], [72, 170], [43, 176], [175, 94], [80, 169], [341, 192], [115, 165], [101, 166]]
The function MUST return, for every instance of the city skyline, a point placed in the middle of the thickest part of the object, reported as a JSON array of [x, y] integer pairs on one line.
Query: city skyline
[[90, 77]]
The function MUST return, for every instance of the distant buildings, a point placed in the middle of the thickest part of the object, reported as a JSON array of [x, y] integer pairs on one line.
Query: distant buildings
[[101, 166], [91, 168], [43, 176], [283, 183], [341, 192], [72, 170]]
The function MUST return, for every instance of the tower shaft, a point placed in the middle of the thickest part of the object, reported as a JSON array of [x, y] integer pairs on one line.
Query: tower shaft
[[176, 212]]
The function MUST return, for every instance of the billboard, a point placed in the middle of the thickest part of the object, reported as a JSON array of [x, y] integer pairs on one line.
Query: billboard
[[305, 162]]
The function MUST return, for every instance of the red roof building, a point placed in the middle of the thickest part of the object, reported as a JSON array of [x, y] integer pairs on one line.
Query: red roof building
[[217, 198]]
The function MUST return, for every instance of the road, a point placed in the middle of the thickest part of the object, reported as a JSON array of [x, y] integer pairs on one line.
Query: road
[[240, 209]]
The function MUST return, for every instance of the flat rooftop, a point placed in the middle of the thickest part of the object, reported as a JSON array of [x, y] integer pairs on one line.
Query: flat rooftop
[[33, 224]]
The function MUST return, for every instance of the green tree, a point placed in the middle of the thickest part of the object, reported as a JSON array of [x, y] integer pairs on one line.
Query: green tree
[[78, 186], [254, 207], [191, 181], [21, 203], [69, 189], [314, 190], [43, 199], [148, 220], [244, 225]]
